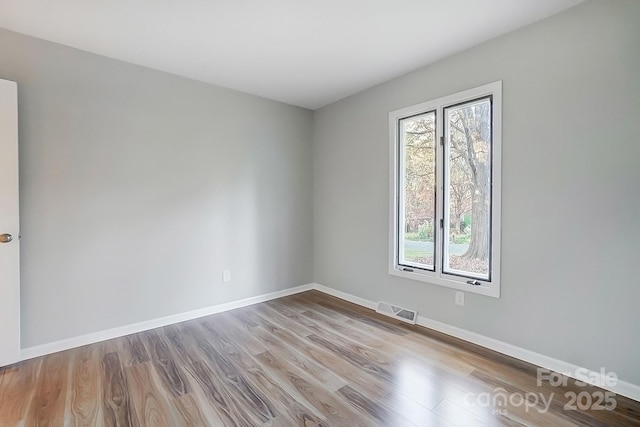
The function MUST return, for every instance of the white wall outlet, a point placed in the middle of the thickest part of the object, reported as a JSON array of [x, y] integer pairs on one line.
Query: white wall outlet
[[460, 298], [226, 275]]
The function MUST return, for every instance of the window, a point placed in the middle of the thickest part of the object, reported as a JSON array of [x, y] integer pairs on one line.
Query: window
[[445, 191]]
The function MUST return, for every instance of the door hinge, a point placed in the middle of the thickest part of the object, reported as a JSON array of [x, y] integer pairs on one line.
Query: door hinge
[[442, 140], [442, 223]]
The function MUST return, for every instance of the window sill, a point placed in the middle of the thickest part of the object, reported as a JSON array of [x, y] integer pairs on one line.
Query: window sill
[[492, 290]]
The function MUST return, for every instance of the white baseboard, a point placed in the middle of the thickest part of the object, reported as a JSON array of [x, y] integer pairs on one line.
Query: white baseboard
[[623, 388], [41, 350], [345, 296]]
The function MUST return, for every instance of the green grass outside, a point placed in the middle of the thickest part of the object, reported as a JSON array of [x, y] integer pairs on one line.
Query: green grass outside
[[416, 253]]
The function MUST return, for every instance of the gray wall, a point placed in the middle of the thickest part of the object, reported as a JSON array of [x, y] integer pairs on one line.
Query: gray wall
[[138, 188], [571, 188]]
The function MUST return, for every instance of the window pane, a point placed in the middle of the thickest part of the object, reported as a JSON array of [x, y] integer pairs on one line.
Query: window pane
[[417, 212], [467, 244]]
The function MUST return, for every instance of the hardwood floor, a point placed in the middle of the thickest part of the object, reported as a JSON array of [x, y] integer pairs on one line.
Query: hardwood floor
[[305, 360]]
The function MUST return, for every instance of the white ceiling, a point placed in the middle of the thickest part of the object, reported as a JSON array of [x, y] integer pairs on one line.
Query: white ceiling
[[302, 52]]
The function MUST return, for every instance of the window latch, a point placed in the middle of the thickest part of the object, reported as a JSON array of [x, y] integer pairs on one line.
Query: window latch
[[474, 282]]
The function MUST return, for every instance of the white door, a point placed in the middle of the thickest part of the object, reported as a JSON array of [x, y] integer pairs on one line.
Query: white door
[[9, 226]]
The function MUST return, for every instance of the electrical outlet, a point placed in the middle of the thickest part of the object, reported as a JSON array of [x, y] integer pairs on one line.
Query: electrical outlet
[[460, 298], [226, 275]]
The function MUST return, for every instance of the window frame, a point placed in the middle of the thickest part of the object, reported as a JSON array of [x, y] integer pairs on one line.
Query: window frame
[[490, 287]]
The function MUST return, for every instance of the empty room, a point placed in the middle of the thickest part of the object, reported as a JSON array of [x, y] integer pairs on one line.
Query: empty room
[[319, 213]]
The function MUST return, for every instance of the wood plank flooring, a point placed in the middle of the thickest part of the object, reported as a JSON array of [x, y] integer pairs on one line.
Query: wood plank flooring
[[304, 360]]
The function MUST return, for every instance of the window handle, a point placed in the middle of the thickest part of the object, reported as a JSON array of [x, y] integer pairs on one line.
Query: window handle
[[474, 282]]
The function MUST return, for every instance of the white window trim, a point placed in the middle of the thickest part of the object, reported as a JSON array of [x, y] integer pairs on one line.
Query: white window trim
[[487, 288]]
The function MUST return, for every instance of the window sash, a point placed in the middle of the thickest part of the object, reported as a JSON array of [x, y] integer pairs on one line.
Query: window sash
[[446, 205], [402, 185]]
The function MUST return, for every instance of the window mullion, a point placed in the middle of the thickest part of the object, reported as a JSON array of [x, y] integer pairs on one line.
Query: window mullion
[[439, 246]]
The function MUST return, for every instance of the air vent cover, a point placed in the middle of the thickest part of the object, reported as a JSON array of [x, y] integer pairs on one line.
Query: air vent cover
[[400, 313]]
